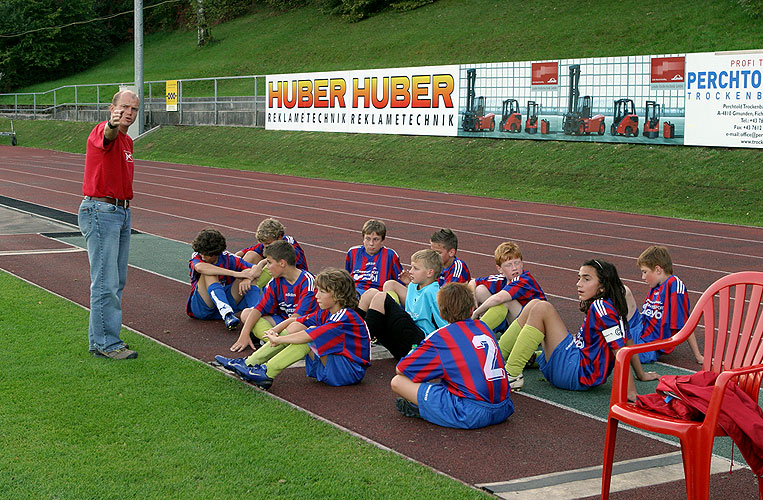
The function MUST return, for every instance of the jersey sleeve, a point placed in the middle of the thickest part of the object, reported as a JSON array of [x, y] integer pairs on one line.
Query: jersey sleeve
[[423, 363], [608, 324], [678, 303], [309, 320], [306, 302], [268, 304]]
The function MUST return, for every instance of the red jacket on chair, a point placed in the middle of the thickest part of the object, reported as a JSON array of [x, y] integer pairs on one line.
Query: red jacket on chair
[[687, 397]]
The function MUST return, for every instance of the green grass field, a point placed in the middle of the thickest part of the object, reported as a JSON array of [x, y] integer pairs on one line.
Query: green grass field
[[164, 426]]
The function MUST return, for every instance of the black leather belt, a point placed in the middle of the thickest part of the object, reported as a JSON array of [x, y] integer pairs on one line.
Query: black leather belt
[[110, 200]]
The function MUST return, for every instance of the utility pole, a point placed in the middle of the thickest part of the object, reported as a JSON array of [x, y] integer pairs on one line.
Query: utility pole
[[138, 32]]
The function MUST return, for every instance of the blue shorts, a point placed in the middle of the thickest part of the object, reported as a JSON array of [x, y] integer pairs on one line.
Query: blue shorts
[[636, 328], [278, 318], [337, 371], [439, 406], [563, 366], [200, 310]]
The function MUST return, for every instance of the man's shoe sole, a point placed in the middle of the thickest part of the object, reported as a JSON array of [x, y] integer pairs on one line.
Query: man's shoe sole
[[118, 356]]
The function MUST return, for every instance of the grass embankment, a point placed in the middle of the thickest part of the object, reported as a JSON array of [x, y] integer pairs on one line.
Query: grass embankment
[[445, 32], [164, 426]]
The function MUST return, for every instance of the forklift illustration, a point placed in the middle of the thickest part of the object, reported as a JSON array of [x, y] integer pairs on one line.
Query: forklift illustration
[[625, 120], [578, 120], [511, 121], [652, 120], [531, 123], [475, 119]]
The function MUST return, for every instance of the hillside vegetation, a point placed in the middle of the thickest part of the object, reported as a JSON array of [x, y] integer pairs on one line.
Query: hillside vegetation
[[704, 183]]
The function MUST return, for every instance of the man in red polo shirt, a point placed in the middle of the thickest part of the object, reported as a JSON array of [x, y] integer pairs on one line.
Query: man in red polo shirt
[[104, 219]]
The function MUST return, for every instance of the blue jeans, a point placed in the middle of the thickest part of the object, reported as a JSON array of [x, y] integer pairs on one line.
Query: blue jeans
[[106, 229]]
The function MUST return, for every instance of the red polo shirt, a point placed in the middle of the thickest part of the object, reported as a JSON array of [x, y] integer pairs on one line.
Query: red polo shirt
[[109, 168]]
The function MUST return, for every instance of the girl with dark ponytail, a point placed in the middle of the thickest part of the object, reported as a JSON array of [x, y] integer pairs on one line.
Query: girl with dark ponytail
[[574, 362]]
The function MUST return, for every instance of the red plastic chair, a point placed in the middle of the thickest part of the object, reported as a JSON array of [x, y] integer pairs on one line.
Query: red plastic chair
[[734, 349]]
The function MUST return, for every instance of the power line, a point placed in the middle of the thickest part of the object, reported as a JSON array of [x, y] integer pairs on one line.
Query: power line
[[14, 35]]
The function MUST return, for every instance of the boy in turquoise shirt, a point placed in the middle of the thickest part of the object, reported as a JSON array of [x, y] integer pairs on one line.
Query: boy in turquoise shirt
[[400, 327]]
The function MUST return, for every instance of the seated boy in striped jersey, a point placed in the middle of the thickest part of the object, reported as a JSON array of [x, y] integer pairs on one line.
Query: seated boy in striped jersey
[[472, 389], [333, 341], [372, 264], [291, 292], [501, 297], [268, 231]]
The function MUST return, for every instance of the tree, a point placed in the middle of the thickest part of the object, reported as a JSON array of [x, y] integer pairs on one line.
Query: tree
[[43, 54]]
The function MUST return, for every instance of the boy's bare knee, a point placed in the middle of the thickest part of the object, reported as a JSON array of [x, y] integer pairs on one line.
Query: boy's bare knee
[[377, 302]]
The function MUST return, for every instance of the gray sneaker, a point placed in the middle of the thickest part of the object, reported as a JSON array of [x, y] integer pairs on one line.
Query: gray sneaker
[[122, 353]]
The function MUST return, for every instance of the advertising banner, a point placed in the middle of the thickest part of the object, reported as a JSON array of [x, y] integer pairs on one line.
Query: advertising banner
[[171, 95], [724, 99], [704, 99], [420, 100]]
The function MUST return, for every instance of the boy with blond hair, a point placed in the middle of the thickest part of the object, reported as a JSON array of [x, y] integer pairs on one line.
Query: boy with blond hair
[[455, 377], [501, 297], [268, 231], [372, 264], [399, 327], [665, 308], [290, 292], [333, 341]]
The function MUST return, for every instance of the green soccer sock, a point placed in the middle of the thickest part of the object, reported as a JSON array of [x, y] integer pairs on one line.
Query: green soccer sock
[[524, 347], [264, 278], [286, 358], [261, 327], [495, 316], [509, 337], [264, 353], [394, 296]]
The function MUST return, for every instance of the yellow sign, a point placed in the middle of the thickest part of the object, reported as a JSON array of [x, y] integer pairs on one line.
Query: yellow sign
[[172, 95]]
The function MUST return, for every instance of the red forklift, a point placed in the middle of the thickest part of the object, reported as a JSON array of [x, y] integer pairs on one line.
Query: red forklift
[[625, 121], [578, 120], [511, 121], [531, 124], [475, 119], [652, 120]]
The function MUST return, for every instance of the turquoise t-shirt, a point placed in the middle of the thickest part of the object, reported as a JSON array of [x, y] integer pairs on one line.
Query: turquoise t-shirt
[[422, 306]]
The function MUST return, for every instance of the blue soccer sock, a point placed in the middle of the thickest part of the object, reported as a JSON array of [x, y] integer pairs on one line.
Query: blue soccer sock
[[217, 293]]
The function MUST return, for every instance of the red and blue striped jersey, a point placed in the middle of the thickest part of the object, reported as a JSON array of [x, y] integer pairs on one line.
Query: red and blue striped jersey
[[465, 356], [665, 310], [494, 283], [371, 271], [524, 288], [343, 333], [284, 299], [602, 332], [226, 260], [301, 259], [456, 272]]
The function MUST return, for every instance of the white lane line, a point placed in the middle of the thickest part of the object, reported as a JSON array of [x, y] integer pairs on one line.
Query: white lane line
[[586, 481], [236, 180], [41, 251]]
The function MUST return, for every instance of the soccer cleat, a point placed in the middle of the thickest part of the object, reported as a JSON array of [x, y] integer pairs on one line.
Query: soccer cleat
[[407, 408], [231, 364], [516, 383], [257, 374], [231, 321], [121, 353]]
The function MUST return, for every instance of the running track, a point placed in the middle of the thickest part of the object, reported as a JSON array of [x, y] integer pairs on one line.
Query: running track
[[175, 201]]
